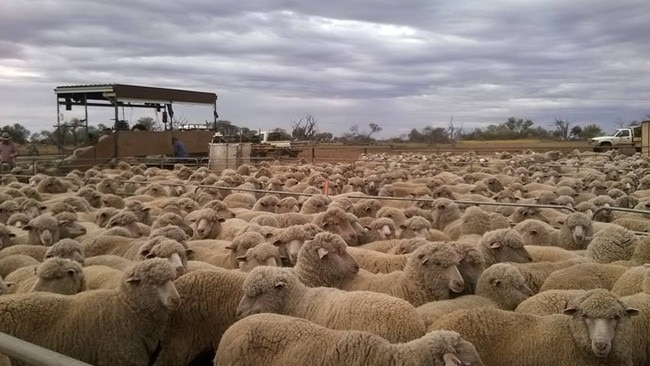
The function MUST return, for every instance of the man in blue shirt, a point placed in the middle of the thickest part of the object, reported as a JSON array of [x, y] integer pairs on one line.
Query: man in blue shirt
[[179, 148]]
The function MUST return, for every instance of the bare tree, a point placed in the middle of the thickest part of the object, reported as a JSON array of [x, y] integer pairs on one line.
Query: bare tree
[[374, 128], [562, 128], [305, 128], [619, 122]]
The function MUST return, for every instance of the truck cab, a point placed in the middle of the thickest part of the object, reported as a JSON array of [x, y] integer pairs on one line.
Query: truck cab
[[623, 137]]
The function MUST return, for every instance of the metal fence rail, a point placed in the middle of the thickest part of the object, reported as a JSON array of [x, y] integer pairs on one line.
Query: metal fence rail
[[33, 354]]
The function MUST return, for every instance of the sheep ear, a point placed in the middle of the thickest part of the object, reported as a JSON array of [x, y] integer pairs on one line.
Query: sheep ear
[[149, 255], [322, 252], [570, 310], [268, 236], [145, 209], [451, 359], [280, 284], [133, 279], [27, 227], [277, 243], [72, 272], [189, 251], [632, 311], [241, 259], [495, 245], [495, 282], [230, 247], [221, 219]]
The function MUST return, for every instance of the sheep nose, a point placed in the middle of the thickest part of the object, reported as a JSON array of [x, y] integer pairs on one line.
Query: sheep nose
[[601, 346]]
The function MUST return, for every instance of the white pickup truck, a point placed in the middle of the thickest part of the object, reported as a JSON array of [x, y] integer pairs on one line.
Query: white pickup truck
[[623, 137]]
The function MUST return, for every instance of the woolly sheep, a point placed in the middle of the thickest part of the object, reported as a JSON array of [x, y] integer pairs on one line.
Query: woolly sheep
[[287, 204], [631, 281], [552, 254], [140, 210], [207, 223], [584, 276], [289, 240], [430, 274], [171, 219], [444, 212], [143, 301], [593, 331], [13, 262], [536, 232], [377, 262], [336, 221], [6, 237], [110, 260], [52, 185], [278, 290], [112, 200], [42, 230], [126, 220], [228, 258], [367, 208], [394, 214], [536, 273], [471, 266], [415, 226], [549, 302], [254, 340], [500, 286], [503, 245], [35, 251], [611, 245], [19, 219], [193, 330], [67, 248], [263, 254], [103, 215], [60, 276], [576, 232], [325, 262], [69, 227]]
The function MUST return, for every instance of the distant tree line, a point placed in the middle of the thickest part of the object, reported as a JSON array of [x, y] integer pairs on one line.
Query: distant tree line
[[306, 128]]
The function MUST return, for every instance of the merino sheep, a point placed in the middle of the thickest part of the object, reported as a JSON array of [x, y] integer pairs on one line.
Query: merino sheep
[[377, 262], [471, 266], [207, 223], [503, 245], [430, 274], [60, 276], [536, 273], [272, 339], [576, 232], [536, 232], [69, 249], [549, 302], [500, 286], [13, 262], [584, 276], [126, 220], [42, 230], [593, 331], [278, 290], [52, 185], [444, 212], [193, 330], [171, 219], [336, 221], [133, 321], [69, 227], [263, 254], [325, 262], [631, 281], [6, 237], [612, 245]]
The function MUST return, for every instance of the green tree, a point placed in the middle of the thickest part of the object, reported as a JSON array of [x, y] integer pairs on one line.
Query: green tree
[[575, 132], [149, 123], [17, 132], [519, 126], [591, 130]]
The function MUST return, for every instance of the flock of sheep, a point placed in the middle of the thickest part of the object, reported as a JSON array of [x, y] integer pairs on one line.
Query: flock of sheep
[[410, 259]]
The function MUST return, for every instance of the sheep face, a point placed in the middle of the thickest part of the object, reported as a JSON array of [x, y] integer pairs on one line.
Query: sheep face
[[385, 232], [205, 226], [455, 280], [61, 276], [595, 318], [342, 228]]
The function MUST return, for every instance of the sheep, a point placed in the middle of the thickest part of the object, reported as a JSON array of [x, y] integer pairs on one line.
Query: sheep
[[13, 262], [631, 281], [52, 185], [377, 262], [444, 212], [110, 260], [552, 254], [430, 274], [367, 208], [140, 210], [112, 200], [6, 237], [325, 262], [60, 276], [207, 223], [240, 200], [394, 214], [471, 266], [415, 226], [278, 290], [35, 251], [629, 223], [272, 339], [611, 245], [500, 286], [221, 208], [126, 220], [536, 273], [263, 254], [133, 322], [286, 205], [592, 331], [19, 219], [103, 215], [172, 219], [536, 232], [576, 232], [107, 185], [584, 276], [549, 302], [5, 287], [69, 227], [204, 293], [67, 248], [42, 230], [503, 245], [336, 221], [228, 258], [291, 239]]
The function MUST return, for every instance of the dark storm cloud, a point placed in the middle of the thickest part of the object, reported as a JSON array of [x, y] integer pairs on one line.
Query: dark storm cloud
[[400, 64]]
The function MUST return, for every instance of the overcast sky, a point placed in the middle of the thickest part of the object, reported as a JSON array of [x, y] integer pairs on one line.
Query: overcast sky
[[401, 64]]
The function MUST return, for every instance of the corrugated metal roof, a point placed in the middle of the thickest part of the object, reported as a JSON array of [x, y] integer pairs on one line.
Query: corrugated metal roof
[[143, 93]]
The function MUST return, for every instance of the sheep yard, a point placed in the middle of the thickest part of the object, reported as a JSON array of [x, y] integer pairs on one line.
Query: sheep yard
[[373, 255]]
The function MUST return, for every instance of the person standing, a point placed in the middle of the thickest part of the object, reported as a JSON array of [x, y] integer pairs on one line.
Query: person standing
[[179, 148], [8, 151]]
